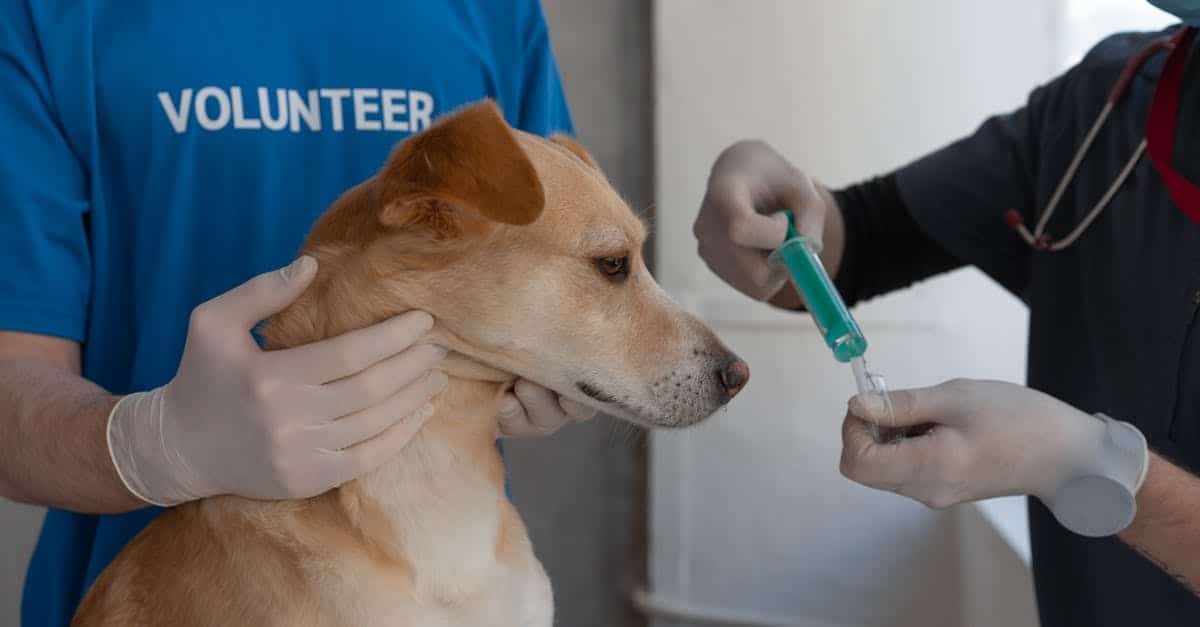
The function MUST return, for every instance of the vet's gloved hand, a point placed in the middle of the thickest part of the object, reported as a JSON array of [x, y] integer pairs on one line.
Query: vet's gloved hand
[[981, 439], [532, 410], [740, 224], [274, 424]]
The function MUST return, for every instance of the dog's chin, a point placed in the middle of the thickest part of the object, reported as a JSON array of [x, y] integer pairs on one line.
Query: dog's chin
[[674, 412], [662, 421], [670, 422]]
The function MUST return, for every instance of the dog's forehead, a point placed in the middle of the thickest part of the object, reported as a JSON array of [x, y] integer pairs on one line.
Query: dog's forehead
[[579, 195], [556, 165]]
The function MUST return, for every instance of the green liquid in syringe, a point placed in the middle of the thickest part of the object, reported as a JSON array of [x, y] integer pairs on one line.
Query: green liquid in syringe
[[837, 326]]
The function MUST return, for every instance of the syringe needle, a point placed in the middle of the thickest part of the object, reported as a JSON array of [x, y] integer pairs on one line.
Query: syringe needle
[[872, 384]]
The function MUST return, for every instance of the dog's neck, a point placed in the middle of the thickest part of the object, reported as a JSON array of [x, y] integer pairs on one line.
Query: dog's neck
[[443, 494], [460, 366], [438, 507]]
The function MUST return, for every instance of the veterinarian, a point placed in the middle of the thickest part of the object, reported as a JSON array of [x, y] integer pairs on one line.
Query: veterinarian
[[159, 157], [1114, 345]]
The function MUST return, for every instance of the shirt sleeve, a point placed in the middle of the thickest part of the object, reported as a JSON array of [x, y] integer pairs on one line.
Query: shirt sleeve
[[542, 108], [959, 195], [885, 249], [45, 262]]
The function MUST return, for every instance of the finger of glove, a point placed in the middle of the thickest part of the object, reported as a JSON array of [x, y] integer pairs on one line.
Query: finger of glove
[[575, 410], [380, 381], [268, 293], [513, 421], [341, 356], [744, 225], [347, 431], [883, 466], [946, 403], [800, 194], [545, 406], [747, 270], [535, 412], [369, 454]]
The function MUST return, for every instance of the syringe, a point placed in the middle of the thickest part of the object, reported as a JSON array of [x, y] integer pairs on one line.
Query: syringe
[[828, 310], [838, 328]]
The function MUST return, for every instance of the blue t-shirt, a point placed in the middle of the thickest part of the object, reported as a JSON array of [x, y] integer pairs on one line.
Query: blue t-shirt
[[161, 153]]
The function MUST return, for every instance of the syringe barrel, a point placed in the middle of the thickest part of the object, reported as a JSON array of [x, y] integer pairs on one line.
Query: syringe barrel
[[828, 310]]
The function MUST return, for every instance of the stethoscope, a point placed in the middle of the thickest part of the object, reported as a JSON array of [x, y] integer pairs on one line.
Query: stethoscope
[[1038, 238]]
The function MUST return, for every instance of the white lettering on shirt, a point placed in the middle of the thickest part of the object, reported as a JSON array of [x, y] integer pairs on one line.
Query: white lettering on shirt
[[264, 108], [202, 97], [362, 108], [420, 108], [239, 114], [311, 112], [178, 115], [335, 97], [298, 110], [393, 105]]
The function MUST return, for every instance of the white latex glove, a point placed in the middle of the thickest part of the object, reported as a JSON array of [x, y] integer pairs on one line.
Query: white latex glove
[[982, 439], [532, 411], [289, 423], [740, 224]]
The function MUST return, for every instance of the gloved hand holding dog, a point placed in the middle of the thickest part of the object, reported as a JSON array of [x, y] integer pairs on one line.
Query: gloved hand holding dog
[[533, 411], [290, 423], [982, 439]]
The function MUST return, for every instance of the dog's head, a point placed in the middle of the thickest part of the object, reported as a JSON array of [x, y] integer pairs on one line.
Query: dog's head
[[530, 263]]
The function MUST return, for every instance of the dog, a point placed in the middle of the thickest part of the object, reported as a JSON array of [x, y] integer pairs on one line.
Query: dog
[[531, 265]]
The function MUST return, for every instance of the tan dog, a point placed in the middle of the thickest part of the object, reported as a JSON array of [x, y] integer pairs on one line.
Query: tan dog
[[531, 265]]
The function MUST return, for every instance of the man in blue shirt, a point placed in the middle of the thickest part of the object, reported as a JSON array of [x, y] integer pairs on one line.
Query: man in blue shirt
[[161, 154]]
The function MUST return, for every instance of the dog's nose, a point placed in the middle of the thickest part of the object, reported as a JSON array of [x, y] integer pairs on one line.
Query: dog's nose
[[733, 374]]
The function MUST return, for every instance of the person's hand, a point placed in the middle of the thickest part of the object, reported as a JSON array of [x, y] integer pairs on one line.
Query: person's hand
[[289, 423], [740, 221], [981, 439], [532, 411]]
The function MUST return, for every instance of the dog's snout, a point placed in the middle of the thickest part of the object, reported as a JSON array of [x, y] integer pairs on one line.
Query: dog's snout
[[733, 374]]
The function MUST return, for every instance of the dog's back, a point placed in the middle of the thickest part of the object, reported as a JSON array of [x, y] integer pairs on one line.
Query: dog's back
[[196, 565]]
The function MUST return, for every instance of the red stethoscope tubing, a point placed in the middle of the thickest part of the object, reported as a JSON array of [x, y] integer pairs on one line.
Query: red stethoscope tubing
[[1161, 135], [1038, 238]]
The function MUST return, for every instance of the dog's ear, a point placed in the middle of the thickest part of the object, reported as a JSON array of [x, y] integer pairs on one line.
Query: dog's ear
[[465, 167], [575, 148]]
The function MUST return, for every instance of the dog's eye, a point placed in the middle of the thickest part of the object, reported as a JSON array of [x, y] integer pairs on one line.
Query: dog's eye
[[615, 268]]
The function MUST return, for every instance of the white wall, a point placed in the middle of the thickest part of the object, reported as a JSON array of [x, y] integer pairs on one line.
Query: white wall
[[994, 585], [1085, 21], [749, 511]]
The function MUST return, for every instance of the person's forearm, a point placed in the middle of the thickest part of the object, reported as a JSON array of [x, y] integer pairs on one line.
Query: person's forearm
[[1167, 527], [833, 244], [53, 449]]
